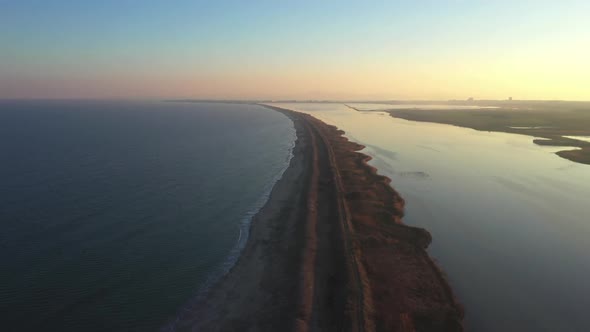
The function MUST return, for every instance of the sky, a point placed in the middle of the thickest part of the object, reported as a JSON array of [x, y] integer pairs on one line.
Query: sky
[[295, 49]]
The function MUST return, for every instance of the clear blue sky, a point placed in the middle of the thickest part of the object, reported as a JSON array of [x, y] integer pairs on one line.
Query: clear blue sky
[[296, 49]]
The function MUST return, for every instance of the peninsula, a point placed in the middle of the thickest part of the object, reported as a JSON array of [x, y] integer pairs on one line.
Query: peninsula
[[329, 252]]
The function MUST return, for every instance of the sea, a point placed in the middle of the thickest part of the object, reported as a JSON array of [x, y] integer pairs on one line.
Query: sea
[[116, 215]]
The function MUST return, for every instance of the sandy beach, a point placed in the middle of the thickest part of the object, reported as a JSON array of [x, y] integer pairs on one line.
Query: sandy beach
[[329, 252]]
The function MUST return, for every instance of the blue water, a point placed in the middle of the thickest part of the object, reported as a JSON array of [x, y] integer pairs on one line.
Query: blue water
[[113, 215]]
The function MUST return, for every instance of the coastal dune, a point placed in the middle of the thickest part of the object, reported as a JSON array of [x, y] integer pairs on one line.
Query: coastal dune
[[329, 252]]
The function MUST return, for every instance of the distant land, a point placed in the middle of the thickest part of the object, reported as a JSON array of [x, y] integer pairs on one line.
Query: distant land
[[551, 122], [474, 102]]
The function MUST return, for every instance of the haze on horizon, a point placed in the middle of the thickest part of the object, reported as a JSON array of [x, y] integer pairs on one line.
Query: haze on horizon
[[296, 50]]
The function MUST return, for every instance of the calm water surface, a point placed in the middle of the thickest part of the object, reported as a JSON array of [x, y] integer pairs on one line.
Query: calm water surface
[[114, 214], [510, 220]]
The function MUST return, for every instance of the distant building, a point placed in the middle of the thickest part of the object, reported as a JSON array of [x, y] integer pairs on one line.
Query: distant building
[[470, 99], [510, 98]]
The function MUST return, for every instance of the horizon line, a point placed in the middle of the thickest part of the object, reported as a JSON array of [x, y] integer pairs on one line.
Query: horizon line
[[292, 100]]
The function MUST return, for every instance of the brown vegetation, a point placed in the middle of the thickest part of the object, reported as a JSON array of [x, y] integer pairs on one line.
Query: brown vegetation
[[328, 252], [399, 288]]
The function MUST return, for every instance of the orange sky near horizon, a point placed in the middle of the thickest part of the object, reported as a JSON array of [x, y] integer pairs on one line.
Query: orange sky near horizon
[[334, 50]]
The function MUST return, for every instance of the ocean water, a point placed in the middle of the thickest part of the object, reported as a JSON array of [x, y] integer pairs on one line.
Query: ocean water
[[114, 215], [509, 218]]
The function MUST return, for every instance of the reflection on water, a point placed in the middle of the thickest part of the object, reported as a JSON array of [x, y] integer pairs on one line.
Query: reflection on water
[[509, 218], [579, 138]]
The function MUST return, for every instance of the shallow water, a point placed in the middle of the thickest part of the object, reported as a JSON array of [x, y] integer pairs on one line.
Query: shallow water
[[509, 218], [114, 214]]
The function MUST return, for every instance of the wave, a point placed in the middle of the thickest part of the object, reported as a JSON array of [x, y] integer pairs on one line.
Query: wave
[[244, 231]]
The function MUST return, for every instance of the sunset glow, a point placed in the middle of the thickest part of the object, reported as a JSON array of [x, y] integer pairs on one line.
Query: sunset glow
[[265, 50]]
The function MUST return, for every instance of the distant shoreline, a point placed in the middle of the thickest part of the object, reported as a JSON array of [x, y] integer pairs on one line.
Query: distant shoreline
[[550, 135], [328, 252], [549, 123], [479, 102]]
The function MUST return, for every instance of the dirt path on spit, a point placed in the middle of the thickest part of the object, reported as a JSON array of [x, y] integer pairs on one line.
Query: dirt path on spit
[[328, 252]]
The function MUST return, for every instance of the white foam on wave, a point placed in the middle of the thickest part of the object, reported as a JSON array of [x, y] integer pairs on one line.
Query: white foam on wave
[[234, 254]]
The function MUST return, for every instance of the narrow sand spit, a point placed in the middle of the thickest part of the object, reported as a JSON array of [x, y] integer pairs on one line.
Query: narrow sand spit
[[328, 252]]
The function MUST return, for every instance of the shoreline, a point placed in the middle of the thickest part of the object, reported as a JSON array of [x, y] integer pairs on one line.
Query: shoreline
[[499, 120], [328, 252], [578, 152], [235, 253]]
